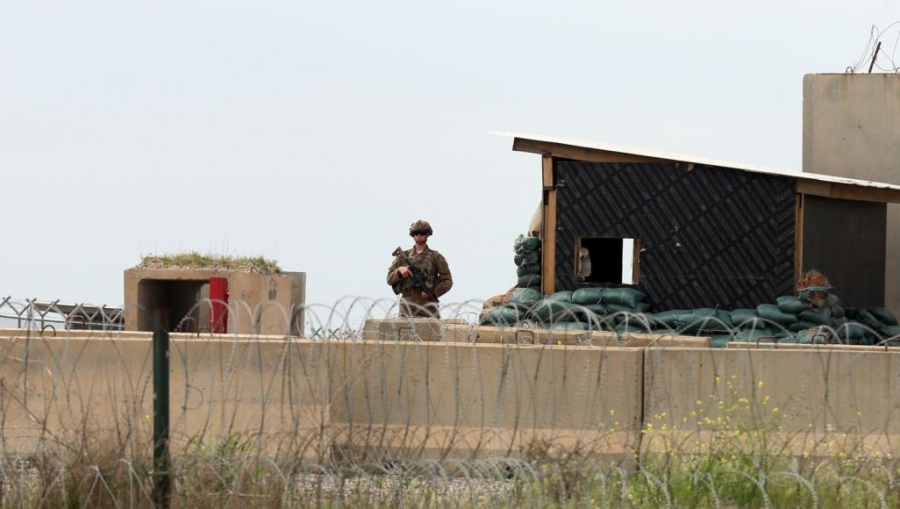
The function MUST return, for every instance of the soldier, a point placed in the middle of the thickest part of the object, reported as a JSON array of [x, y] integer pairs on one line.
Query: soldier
[[419, 275]]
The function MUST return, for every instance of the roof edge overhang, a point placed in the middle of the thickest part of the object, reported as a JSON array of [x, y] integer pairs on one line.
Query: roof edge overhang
[[827, 186]]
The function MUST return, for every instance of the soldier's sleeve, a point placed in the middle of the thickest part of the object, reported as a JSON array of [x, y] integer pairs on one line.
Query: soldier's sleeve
[[393, 276], [445, 279]]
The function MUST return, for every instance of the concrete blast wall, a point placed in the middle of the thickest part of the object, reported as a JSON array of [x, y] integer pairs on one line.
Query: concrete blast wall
[[403, 399], [851, 128]]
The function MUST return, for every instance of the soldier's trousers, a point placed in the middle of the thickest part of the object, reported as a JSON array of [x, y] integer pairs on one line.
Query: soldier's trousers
[[410, 309]]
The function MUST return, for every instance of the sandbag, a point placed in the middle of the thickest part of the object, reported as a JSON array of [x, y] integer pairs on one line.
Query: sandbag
[[623, 296], [503, 316], [645, 322], [771, 313], [527, 258], [529, 269], [591, 313], [852, 330], [739, 316], [626, 328], [668, 319], [563, 296], [791, 304], [832, 300], [837, 312], [529, 281], [802, 325], [587, 296], [890, 331], [577, 326], [612, 309], [525, 296], [822, 317], [551, 311], [695, 320], [524, 243], [884, 316], [865, 317], [752, 336], [720, 340]]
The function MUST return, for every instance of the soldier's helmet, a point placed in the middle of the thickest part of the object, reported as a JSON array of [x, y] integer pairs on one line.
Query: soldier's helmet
[[420, 226]]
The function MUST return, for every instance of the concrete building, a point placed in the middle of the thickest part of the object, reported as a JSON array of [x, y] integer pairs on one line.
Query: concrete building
[[851, 128], [693, 232], [180, 299]]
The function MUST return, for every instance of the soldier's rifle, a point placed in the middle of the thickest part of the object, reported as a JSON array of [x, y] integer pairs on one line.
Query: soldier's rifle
[[419, 278]]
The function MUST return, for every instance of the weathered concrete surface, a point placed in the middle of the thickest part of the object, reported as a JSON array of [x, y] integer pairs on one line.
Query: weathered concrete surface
[[99, 387], [258, 303], [458, 330], [468, 400], [806, 394], [417, 329], [365, 400], [851, 128]]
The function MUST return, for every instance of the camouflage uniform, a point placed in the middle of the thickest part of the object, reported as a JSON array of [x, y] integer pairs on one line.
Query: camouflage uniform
[[437, 273]]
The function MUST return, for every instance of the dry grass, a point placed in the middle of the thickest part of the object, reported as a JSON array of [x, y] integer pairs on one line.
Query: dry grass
[[195, 260]]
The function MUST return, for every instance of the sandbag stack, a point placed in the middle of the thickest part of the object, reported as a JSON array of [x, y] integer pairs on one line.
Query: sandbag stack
[[814, 316], [528, 262]]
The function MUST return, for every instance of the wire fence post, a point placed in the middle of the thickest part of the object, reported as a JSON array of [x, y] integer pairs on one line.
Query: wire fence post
[[161, 464]]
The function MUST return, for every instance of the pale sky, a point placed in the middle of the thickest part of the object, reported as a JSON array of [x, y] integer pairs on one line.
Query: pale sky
[[316, 132]]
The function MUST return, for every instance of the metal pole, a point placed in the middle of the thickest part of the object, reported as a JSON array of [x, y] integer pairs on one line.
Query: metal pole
[[161, 415], [874, 56]]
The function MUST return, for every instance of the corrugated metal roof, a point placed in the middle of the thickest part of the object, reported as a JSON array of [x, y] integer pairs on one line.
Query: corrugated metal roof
[[669, 156]]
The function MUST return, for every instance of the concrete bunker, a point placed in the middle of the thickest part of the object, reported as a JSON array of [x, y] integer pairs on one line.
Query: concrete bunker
[[215, 301]]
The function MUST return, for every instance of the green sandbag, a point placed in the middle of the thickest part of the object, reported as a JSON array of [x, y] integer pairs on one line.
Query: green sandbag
[[524, 243], [626, 328], [739, 316], [623, 297], [813, 337], [747, 319], [890, 331], [645, 322], [791, 304], [802, 325], [752, 336], [524, 270], [884, 316], [865, 317], [832, 300], [527, 258], [587, 296], [642, 307], [525, 296], [723, 318], [822, 317], [771, 313], [529, 281], [591, 313], [522, 307], [695, 320], [668, 319], [837, 312], [563, 296], [579, 326], [612, 309], [503, 316], [551, 311], [853, 330], [719, 340]]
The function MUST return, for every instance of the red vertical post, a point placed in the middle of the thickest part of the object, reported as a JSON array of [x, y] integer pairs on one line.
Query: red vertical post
[[218, 305]]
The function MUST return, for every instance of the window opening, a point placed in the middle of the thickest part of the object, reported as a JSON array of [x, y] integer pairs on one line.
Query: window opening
[[607, 260]]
